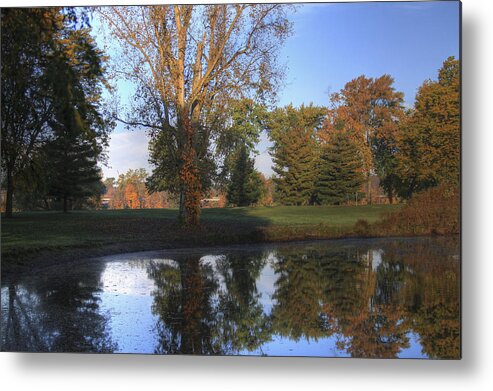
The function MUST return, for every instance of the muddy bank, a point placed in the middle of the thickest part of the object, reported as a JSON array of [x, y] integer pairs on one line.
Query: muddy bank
[[41, 259]]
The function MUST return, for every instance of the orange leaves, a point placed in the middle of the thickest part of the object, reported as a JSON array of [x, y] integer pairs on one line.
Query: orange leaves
[[365, 110], [131, 192]]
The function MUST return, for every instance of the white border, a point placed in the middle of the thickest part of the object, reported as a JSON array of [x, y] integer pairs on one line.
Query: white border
[[474, 372]]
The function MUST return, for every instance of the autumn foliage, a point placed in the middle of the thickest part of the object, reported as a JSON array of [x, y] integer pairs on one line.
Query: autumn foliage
[[433, 211], [130, 192]]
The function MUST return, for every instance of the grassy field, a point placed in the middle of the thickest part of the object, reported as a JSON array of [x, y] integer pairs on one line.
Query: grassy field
[[30, 233]]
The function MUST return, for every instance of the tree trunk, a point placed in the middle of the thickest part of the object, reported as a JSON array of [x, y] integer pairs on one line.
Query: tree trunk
[[368, 193], [64, 203], [181, 214], [192, 296], [391, 196], [10, 194], [190, 178]]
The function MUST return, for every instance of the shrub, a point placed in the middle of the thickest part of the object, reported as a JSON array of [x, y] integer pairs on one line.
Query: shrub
[[435, 211]]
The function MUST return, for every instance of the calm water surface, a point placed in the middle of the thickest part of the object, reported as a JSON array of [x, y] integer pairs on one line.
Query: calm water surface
[[385, 298]]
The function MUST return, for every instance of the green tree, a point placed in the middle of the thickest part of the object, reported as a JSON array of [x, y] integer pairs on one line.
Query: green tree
[[245, 119], [246, 186], [370, 111], [52, 78], [340, 171], [73, 170], [188, 63], [429, 142], [27, 36], [293, 132], [80, 129]]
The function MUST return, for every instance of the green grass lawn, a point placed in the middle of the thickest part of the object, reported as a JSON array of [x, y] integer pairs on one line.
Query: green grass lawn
[[31, 232], [336, 216]]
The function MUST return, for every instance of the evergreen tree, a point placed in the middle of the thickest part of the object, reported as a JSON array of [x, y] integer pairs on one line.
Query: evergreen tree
[[340, 171], [80, 130], [246, 186], [370, 110], [73, 171], [293, 132], [255, 188]]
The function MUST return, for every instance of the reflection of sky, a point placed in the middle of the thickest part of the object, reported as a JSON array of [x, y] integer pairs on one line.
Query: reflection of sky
[[265, 285], [126, 298], [414, 350], [281, 346], [125, 292]]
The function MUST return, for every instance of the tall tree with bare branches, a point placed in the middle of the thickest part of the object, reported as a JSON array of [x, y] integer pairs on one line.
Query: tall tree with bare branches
[[188, 63]]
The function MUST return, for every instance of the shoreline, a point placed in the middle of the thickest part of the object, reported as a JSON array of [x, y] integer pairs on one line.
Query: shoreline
[[53, 257]]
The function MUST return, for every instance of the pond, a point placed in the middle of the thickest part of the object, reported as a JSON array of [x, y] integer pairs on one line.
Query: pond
[[375, 298]]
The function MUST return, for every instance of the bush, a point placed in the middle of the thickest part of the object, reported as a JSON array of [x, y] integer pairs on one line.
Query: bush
[[435, 211]]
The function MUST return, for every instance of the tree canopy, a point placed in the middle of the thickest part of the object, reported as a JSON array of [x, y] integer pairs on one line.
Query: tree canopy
[[429, 142], [188, 63], [52, 80], [293, 132]]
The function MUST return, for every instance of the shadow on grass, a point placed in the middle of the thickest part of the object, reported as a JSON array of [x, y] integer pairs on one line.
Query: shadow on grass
[[32, 238]]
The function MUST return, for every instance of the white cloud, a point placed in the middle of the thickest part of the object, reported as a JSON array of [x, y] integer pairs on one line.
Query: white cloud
[[130, 150], [127, 150]]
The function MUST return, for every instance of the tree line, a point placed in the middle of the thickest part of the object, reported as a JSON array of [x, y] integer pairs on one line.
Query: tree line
[[131, 191], [324, 155], [206, 80]]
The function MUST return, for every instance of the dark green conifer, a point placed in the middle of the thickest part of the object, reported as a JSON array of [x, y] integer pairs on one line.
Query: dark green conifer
[[245, 187], [340, 172], [293, 132]]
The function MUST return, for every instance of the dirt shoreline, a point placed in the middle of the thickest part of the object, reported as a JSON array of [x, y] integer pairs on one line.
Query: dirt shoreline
[[50, 257]]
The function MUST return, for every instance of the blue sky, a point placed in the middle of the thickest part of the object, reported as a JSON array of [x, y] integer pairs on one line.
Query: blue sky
[[334, 43]]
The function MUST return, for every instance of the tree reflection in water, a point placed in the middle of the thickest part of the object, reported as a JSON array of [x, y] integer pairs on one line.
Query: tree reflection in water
[[209, 308], [54, 314], [183, 300], [369, 299], [374, 298]]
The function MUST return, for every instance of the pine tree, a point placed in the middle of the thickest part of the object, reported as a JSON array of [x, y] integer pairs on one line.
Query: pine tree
[[295, 168], [293, 131], [340, 171], [74, 78], [73, 171], [246, 186]]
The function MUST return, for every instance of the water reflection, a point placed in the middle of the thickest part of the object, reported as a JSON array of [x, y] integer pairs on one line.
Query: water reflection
[[55, 313], [374, 298]]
